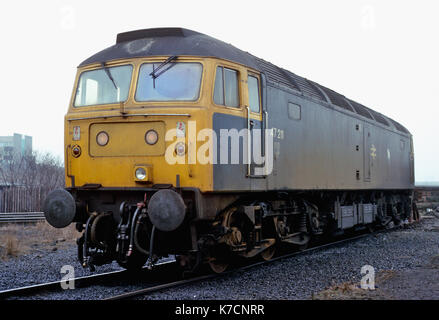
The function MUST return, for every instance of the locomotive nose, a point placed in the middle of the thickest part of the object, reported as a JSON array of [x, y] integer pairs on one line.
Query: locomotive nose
[[59, 208], [166, 210]]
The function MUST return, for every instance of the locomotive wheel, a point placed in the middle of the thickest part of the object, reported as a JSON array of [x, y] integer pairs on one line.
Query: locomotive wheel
[[229, 221], [218, 266], [269, 253]]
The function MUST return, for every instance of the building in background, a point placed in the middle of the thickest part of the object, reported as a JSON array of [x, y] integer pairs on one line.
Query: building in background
[[14, 145]]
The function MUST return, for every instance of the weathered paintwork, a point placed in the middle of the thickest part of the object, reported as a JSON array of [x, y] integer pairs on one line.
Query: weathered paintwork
[[319, 151], [334, 144], [359, 161]]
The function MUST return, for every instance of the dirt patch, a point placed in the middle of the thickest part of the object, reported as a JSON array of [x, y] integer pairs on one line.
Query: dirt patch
[[353, 291], [421, 283], [10, 246], [18, 239], [418, 284]]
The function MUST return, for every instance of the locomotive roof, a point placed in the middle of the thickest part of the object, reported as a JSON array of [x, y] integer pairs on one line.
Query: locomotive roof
[[184, 42]]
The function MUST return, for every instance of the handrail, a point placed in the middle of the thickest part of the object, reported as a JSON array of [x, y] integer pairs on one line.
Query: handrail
[[134, 115], [265, 140], [248, 144]]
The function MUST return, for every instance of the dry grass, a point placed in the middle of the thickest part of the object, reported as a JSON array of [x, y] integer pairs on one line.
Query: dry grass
[[353, 291], [17, 239], [11, 246], [344, 291], [47, 233]]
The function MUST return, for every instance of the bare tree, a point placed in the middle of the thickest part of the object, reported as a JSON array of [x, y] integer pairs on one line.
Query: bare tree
[[50, 171], [33, 170], [28, 179]]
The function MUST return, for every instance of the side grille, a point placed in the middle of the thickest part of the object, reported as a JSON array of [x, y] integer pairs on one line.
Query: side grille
[[360, 109], [336, 98], [398, 126], [379, 118], [305, 86], [276, 74]]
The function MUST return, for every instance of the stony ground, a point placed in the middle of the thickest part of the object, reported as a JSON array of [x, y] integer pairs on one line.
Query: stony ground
[[327, 273], [418, 283], [35, 253], [406, 263]]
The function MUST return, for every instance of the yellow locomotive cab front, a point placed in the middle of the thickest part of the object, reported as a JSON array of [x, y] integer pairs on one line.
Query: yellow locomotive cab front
[[118, 127]]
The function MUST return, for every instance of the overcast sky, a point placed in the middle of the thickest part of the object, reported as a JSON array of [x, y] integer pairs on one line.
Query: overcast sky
[[383, 54]]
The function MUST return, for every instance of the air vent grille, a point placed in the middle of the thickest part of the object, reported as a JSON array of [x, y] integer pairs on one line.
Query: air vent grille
[[336, 98], [276, 74], [379, 118], [360, 109]]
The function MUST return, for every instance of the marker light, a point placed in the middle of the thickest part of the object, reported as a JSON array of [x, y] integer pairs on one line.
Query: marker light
[[180, 149], [102, 138], [151, 137]]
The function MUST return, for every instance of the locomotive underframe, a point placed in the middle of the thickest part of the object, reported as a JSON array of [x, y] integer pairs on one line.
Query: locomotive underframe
[[219, 227]]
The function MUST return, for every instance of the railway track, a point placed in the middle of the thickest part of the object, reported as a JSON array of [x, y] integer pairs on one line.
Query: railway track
[[161, 276], [21, 217], [195, 279], [81, 282]]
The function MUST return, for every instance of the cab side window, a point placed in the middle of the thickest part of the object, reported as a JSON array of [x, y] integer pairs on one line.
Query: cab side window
[[226, 87], [253, 93]]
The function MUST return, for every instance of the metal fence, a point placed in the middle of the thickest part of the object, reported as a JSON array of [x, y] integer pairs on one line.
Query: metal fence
[[22, 199]]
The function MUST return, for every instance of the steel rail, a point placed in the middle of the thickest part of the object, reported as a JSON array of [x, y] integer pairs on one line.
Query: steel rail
[[80, 282], [175, 284], [89, 280]]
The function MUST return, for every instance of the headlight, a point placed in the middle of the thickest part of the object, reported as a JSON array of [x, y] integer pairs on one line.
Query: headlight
[[151, 137], [102, 138], [180, 149], [140, 173]]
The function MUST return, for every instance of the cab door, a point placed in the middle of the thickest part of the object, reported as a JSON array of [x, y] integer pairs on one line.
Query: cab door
[[255, 126], [230, 122], [238, 116]]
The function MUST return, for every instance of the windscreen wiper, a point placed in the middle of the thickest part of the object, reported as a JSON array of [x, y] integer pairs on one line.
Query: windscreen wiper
[[154, 73], [107, 71]]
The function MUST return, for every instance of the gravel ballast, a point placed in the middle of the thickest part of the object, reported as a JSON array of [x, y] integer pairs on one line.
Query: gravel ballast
[[303, 276], [43, 266], [299, 277]]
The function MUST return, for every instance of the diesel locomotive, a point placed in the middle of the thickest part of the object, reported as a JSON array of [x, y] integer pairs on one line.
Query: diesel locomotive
[[177, 143]]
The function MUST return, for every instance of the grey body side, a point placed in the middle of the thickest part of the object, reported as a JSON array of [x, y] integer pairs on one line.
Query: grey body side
[[319, 150]]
